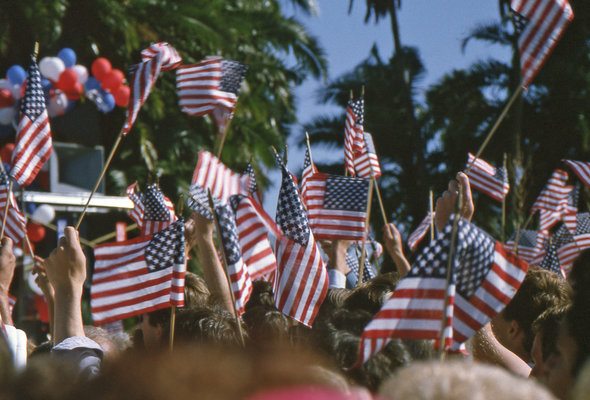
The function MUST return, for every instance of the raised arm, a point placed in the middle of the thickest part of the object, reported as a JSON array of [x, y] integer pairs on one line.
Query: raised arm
[[7, 266], [394, 246]]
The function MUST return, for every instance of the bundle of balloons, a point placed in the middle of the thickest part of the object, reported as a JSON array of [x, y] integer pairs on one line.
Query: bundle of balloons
[[64, 83]]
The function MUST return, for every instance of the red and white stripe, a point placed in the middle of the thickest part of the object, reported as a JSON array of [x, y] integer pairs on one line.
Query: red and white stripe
[[581, 169], [210, 173], [547, 22], [158, 57], [253, 226], [415, 309], [352, 140], [33, 147], [366, 162], [198, 88], [122, 285], [306, 174], [331, 224], [15, 227], [554, 194], [420, 232], [482, 176], [301, 282], [136, 214]]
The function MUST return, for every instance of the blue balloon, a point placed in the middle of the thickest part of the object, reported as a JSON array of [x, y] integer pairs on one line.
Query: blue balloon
[[16, 74], [92, 84], [30, 207], [108, 102], [68, 56], [70, 106]]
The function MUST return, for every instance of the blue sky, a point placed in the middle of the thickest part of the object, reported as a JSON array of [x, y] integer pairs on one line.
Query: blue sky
[[435, 27]]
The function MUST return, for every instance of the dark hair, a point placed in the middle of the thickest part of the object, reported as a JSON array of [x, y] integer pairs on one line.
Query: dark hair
[[370, 296], [266, 325], [204, 326], [540, 290], [196, 292], [547, 325], [578, 318], [262, 295]]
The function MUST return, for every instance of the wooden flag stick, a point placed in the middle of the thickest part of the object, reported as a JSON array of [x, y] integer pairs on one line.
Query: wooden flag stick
[[110, 235], [308, 148], [364, 241], [172, 326], [381, 207], [224, 260], [431, 205], [101, 176], [501, 117], [222, 139], [450, 264], [8, 197]]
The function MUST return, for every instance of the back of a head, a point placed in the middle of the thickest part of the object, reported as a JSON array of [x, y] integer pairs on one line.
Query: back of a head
[[371, 295], [460, 380], [547, 325], [204, 326], [578, 318], [262, 295], [540, 291], [266, 325], [196, 292]]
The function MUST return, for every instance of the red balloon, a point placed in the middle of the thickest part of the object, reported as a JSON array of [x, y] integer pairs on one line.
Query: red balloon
[[100, 67], [6, 99], [6, 152], [75, 92], [122, 96], [35, 232], [113, 80], [67, 80]]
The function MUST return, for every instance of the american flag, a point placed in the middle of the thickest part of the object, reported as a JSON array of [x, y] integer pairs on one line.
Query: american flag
[[301, 281], [581, 169], [420, 232], [488, 179], [353, 262], [484, 278], [211, 174], [15, 227], [366, 163], [353, 132], [337, 206], [241, 283], [540, 24], [254, 226], [554, 194], [530, 244], [136, 214], [569, 211], [139, 275], [33, 137], [309, 170], [210, 85], [253, 187], [569, 246], [158, 211], [156, 58]]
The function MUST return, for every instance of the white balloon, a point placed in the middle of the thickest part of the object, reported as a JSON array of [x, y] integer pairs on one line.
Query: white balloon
[[5, 84], [57, 104], [51, 67], [44, 214], [18, 252], [82, 73], [17, 92], [7, 115]]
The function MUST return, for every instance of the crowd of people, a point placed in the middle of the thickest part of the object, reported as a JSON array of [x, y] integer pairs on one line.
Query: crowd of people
[[536, 348]]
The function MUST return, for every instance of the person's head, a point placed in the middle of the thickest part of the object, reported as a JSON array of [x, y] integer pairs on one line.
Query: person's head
[[546, 329], [262, 295], [266, 325], [196, 292], [539, 291], [204, 326], [459, 380], [371, 295], [561, 365]]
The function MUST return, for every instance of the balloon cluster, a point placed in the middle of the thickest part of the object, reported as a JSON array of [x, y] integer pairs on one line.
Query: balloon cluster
[[65, 82], [42, 215]]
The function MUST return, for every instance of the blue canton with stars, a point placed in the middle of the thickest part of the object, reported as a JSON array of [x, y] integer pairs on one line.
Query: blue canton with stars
[[346, 193], [520, 22], [551, 260], [528, 238], [154, 206], [358, 109], [253, 187], [352, 260], [501, 175], [291, 215], [472, 261], [166, 248], [33, 103], [232, 75], [198, 201], [229, 233], [369, 143], [307, 160]]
